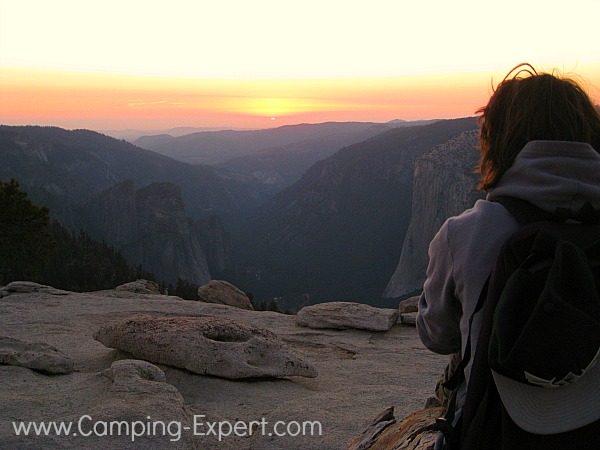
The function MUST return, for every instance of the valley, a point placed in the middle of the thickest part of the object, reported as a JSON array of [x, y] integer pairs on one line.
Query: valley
[[300, 214]]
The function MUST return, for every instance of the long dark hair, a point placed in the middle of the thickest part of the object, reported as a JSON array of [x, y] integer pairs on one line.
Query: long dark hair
[[528, 106]]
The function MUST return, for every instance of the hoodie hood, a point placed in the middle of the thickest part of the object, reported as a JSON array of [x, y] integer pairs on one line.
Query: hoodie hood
[[553, 174]]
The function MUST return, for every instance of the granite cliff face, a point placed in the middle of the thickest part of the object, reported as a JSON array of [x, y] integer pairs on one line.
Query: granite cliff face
[[444, 185], [150, 227], [216, 243]]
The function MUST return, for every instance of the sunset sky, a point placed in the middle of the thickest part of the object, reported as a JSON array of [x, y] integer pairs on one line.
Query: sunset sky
[[157, 64]]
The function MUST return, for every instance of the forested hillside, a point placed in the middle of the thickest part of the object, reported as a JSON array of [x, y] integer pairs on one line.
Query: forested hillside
[[32, 249]]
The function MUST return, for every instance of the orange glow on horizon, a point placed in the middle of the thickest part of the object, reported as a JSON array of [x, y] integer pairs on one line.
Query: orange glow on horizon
[[102, 101], [115, 64]]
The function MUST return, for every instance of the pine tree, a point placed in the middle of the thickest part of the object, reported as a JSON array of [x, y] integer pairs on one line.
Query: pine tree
[[25, 240], [186, 290]]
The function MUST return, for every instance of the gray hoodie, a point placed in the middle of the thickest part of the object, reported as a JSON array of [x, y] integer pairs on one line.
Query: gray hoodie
[[549, 174]]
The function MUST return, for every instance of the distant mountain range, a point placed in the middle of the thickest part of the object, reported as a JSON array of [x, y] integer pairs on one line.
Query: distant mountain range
[[275, 156], [132, 134], [215, 147], [304, 213]]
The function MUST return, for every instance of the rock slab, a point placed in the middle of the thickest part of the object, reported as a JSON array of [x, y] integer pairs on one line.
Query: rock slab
[[35, 356], [206, 345], [360, 374], [343, 315], [224, 293]]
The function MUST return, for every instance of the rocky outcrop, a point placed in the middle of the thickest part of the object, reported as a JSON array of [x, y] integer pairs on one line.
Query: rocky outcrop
[[414, 432], [28, 287], [207, 346], [444, 185], [224, 293], [114, 218], [140, 287], [150, 227], [369, 436], [162, 219], [34, 355], [343, 315]]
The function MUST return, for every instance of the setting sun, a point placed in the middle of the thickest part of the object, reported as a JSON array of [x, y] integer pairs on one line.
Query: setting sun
[[278, 106]]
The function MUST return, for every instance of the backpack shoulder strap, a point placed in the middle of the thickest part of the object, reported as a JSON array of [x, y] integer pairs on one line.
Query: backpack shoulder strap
[[523, 211], [526, 212], [446, 424], [481, 402]]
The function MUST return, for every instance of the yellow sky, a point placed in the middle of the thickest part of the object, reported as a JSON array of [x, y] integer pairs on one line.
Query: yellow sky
[[153, 64]]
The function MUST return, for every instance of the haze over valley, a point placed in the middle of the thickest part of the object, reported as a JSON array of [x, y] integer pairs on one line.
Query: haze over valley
[[302, 214]]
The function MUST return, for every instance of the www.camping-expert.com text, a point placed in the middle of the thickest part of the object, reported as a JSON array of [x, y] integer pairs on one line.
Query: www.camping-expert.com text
[[86, 426]]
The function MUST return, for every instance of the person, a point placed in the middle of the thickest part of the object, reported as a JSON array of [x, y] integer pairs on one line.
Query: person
[[539, 142]]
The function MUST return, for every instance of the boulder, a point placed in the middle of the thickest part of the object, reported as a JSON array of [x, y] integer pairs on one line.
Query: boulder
[[407, 311], [140, 287], [409, 305], [206, 345], [224, 293], [35, 355], [343, 315], [131, 374]]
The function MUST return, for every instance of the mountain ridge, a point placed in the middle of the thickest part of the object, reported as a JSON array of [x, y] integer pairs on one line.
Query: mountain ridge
[[218, 147], [49, 156]]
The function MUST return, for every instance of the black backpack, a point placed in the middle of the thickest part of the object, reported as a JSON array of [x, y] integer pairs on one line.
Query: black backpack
[[484, 423]]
